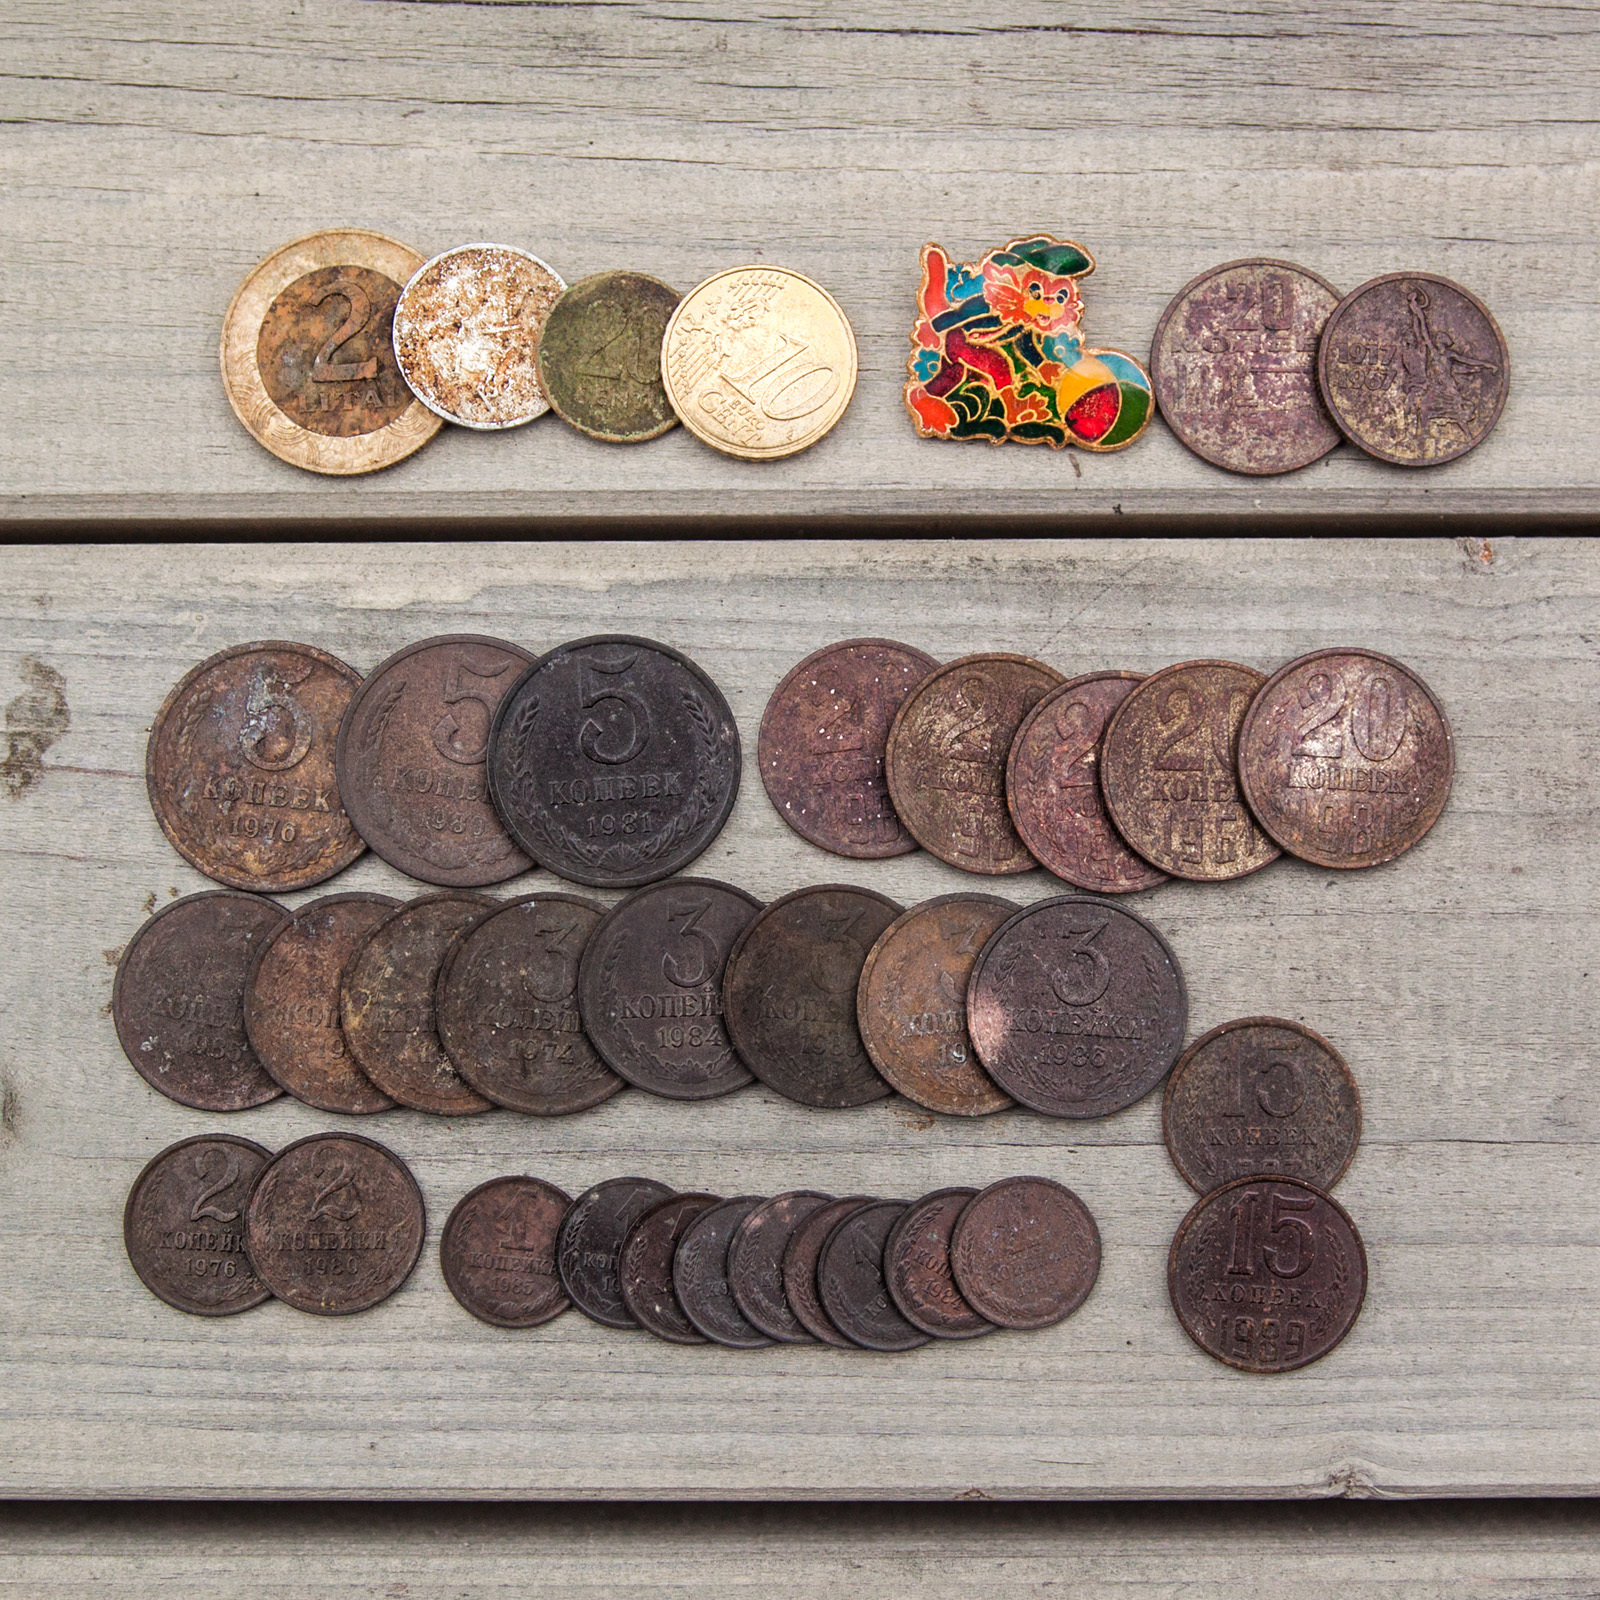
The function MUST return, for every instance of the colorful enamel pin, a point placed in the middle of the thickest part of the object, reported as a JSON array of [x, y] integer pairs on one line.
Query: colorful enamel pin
[[998, 353]]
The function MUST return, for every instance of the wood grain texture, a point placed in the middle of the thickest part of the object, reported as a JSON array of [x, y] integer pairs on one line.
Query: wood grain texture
[[1459, 982]]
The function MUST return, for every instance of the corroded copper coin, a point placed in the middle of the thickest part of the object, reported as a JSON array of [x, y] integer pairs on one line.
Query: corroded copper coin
[[916, 1267], [946, 758], [821, 749], [1234, 363], [1261, 1094], [650, 987], [1169, 772], [498, 1252], [800, 1269], [507, 1007], [755, 1263], [589, 1247], [700, 1275], [850, 1280], [183, 1225], [645, 1268], [1414, 369], [911, 1003], [1025, 1253], [291, 1002], [178, 1000], [1346, 758], [334, 1224], [1077, 1007], [1267, 1274], [411, 754], [240, 767], [614, 761], [386, 1003], [1053, 787], [789, 993]]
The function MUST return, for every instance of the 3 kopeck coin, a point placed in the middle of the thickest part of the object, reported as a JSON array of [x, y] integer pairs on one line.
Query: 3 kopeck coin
[[644, 1270], [800, 1269], [917, 1272], [1025, 1253], [498, 1252], [755, 1263], [850, 1280], [589, 1246], [700, 1275]]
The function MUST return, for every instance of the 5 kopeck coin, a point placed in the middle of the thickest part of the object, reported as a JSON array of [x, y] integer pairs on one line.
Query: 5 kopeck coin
[[1025, 1253], [589, 1246], [498, 1252]]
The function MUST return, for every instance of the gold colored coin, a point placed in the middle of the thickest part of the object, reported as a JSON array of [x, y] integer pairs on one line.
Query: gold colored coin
[[759, 362], [308, 357]]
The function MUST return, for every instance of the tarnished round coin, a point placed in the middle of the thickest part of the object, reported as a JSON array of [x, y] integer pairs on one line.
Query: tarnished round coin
[[599, 357], [789, 994], [1267, 1274], [1077, 1007], [700, 1275], [334, 1224], [800, 1269], [386, 1003], [308, 358], [1346, 758], [1414, 369], [498, 1252], [1261, 1094], [1025, 1253], [1170, 777], [850, 1280], [916, 1267], [589, 1247], [821, 749], [466, 334], [755, 1263], [507, 1007], [614, 761], [178, 1000], [644, 1270], [1234, 363], [946, 758], [759, 362], [1053, 787], [183, 1225], [240, 767], [650, 988], [911, 1003]]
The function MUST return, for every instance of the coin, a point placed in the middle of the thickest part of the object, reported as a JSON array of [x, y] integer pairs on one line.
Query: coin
[[645, 1268], [700, 1275], [916, 1267], [1053, 787], [307, 358], [387, 1009], [466, 334], [1169, 772], [498, 1252], [1267, 1274], [183, 1225], [911, 1003], [789, 994], [1077, 1007], [507, 1007], [946, 758], [850, 1280], [800, 1269], [1414, 369], [755, 1263], [614, 761], [759, 362], [291, 1002], [334, 1224], [1346, 758], [240, 770], [411, 754], [1025, 1253], [821, 748], [1234, 362], [599, 358], [589, 1247], [1261, 1094], [178, 1000]]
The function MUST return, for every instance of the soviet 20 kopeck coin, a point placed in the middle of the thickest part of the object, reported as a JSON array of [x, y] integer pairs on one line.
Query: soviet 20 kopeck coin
[[240, 767], [589, 1246], [1025, 1253], [644, 1270], [917, 1272], [700, 1275], [800, 1269], [755, 1263], [498, 1252], [850, 1280]]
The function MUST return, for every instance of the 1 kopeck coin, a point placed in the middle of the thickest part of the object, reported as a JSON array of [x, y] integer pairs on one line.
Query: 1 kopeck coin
[[498, 1252], [700, 1275], [850, 1280], [800, 1269], [917, 1271], [589, 1246], [755, 1263], [1025, 1253], [644, 1270]]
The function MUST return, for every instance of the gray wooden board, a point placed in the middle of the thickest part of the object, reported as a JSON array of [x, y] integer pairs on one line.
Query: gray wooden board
[[153, 153], [1457, 981]]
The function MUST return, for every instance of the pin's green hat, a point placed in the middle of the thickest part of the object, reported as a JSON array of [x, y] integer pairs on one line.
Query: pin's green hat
[[1061, 258]]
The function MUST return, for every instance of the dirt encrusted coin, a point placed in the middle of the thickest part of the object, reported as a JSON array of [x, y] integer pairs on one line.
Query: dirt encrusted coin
[[850, 1280], [917, 1272], [178, 1000], [334, 1224], [1025, 1253], [183, 1225], [821, 748], [800, 1269], [589, 1246], [240, 767], [755, 1263], [1267, 1274], [1346, 758], [700, 1275], [645, 1268], [498, 1252], [614, 761]]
